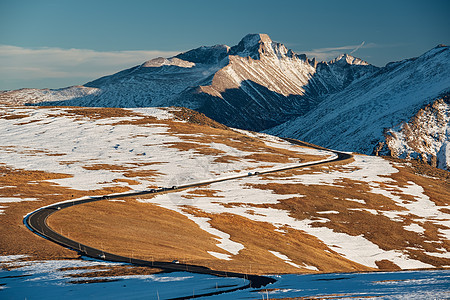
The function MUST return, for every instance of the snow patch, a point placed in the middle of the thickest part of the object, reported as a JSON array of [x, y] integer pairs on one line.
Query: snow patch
[[220, 255], [284, 258]]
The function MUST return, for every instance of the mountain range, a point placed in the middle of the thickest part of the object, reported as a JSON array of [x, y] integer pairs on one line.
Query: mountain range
[[401, 109]]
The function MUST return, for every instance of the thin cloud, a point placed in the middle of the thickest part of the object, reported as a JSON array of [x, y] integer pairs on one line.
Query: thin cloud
[[19, 63], [357, 48], [325, 54]]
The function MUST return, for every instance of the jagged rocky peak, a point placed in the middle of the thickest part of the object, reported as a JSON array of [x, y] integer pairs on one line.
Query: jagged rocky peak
[[348, 59], [253, 39], [205, 54], [260, 44]]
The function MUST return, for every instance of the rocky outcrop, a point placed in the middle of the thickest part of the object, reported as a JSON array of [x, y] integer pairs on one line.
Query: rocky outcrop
[[426, 136]]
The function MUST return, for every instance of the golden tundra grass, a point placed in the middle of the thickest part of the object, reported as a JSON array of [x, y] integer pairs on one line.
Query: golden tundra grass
[[33, 184], [136, 230], [150, 232], [207, 131], [15, 238], [106, 271]]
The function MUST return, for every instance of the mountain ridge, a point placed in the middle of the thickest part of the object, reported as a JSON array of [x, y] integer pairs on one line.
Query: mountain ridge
[[244, 86], [368, 108], [261, 85]]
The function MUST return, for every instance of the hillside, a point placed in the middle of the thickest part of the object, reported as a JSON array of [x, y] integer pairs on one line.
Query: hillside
[[367, 213]]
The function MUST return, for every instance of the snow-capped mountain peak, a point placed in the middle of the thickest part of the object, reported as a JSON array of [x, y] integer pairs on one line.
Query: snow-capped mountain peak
[[348, 59], [256, 38], [258, 45], [250, 45]]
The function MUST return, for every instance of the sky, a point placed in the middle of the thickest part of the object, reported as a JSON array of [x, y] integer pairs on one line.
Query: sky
[[58, 43]]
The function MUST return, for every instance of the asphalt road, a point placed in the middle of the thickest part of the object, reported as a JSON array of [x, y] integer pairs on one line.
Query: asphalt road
[[37, 222]]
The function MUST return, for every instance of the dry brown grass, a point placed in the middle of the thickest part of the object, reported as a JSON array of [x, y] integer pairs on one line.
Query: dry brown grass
[[29, 151], [138, 230], [196, 148], [194, 193], [208, 131], [142, 173], [259, 237], [104, 167], [191, 116], [15, 238], [128, 181], [94, 113], [28, 122], [14, 117], [387, 265], [226, 159], [107, 271], [150, 232], [268, 157]]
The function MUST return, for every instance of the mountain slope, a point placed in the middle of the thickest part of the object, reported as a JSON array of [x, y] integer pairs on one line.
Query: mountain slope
[[356, 118]]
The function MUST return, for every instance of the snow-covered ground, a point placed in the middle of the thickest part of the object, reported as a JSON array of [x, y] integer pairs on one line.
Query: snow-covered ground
[[40, 140], [50, 141], [382, 285], [45, 280]]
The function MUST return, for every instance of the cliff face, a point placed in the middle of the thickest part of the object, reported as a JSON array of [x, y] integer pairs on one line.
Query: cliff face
[[425, 136]]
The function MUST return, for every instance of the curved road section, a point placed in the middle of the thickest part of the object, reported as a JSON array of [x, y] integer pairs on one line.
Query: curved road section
[[37, 222]]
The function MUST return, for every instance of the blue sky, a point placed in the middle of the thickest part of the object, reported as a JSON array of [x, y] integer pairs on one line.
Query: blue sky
[[64, 42]]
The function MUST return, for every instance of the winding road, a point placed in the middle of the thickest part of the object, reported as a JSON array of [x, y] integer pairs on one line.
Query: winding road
[[37, 222]]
